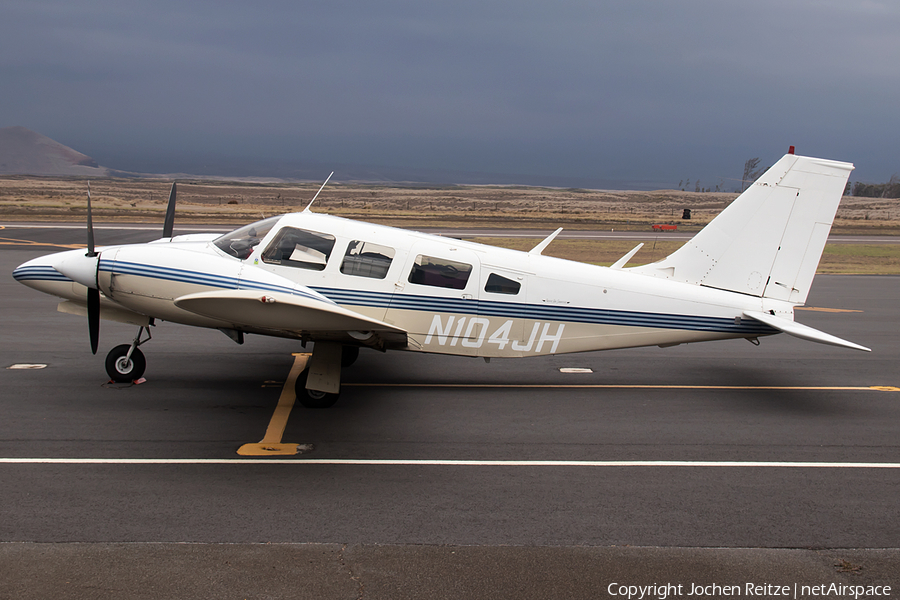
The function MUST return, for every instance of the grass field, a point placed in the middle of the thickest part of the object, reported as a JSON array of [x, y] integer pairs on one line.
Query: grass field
[[874, 259]]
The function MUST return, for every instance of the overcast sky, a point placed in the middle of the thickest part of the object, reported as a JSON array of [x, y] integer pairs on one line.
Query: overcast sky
[[645, 93]]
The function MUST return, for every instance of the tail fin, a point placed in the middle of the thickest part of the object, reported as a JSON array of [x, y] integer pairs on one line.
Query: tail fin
[[768, 242]]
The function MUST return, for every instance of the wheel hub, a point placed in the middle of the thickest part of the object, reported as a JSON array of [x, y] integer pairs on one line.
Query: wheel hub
[[123, 365], [315, 394]]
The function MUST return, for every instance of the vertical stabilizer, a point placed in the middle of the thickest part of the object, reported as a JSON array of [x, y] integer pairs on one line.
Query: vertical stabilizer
[[768, 242]]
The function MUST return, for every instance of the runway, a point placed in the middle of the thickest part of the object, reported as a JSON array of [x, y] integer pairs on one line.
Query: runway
[[694, 453], [13, 233]]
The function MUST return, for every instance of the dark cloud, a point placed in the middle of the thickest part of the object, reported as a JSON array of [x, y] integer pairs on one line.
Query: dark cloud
[[628, 91]]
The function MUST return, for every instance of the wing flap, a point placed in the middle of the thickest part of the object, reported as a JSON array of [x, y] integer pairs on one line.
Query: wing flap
[[802, 331], [282, 312]]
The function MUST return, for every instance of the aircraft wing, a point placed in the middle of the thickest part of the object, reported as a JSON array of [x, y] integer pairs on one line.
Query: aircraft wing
[[278, 311], [802, 331]]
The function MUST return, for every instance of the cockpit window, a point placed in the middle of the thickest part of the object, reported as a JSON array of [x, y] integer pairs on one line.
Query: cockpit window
[[299, 248], [240, 242]]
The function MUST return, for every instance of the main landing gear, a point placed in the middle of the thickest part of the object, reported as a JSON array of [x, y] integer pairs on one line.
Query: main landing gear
[[126, 362], [313, 398], [324, 367]]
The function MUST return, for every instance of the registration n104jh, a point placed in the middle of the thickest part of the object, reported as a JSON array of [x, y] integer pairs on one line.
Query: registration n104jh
[[474, 332]]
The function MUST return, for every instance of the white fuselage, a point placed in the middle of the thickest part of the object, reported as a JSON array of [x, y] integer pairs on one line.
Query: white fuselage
[[449, 296]]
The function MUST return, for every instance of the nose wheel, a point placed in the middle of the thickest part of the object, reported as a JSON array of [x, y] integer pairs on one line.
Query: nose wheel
[[126, 362], [122, 368]]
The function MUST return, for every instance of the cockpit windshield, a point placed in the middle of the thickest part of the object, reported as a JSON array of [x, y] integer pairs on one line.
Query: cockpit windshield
[[240, 242]]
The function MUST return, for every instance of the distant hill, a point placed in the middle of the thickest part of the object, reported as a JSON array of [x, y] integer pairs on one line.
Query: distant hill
[[25, 152]]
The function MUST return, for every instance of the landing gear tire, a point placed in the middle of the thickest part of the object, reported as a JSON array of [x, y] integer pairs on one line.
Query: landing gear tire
[[122, 370], [349, 354], [312, 398]]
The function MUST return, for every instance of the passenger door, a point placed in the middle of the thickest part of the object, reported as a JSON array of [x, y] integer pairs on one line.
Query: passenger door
[[436, 296]]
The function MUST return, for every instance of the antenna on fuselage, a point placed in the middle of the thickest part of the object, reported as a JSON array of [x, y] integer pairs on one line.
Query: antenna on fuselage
[[540, 247], [317, 193]]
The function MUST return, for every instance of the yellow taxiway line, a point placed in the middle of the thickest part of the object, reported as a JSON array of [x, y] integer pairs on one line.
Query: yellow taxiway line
[[21, 243], [271, 444], [455, 462]]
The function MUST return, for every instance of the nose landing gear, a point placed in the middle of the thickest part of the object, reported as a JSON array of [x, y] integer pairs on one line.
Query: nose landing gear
[[126, 362]]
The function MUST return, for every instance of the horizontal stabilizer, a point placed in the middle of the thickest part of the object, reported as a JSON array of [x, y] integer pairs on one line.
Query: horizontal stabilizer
[[280, 311], [802, 331]]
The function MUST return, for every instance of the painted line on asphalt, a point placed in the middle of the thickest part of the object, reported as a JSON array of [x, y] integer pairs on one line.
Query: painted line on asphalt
[[455, 463], [17, 242], [612, 386], [200, 229], [271, 444]]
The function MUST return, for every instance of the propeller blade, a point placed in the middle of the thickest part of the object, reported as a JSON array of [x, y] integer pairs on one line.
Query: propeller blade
[[93, 310], [90, 226], [93, 293], [169, 223]]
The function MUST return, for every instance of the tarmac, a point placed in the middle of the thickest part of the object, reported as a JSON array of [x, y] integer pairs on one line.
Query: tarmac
[[719, 464]]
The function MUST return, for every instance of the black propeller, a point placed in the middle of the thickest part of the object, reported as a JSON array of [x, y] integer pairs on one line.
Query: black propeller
[[87, 272], [169, 223], [93, 293]]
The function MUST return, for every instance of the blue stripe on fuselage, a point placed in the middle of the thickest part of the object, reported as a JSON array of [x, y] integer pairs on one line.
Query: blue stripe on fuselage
[[515, 310], [39, 273], [119, 267]]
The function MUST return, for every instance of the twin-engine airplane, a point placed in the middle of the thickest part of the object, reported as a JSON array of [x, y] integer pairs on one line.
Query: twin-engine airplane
[[344, 284]]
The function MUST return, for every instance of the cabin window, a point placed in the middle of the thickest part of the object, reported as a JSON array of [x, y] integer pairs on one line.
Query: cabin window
[[440, 272], [241, 242], [365, 259], [300, 249], [497, 284]]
